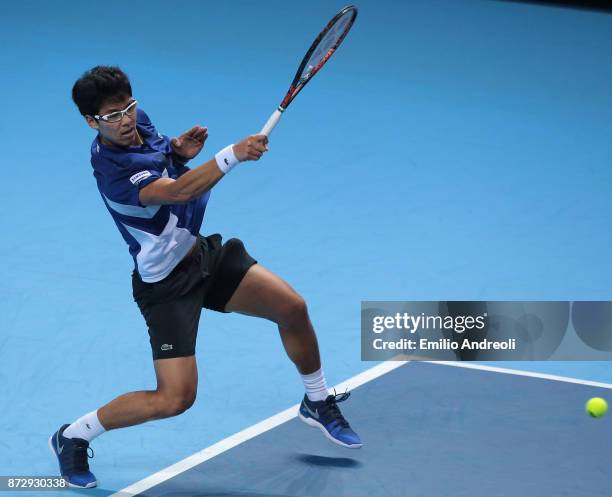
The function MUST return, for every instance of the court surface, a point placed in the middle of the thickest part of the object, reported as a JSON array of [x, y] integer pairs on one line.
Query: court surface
[[450, 150], [428, 430]]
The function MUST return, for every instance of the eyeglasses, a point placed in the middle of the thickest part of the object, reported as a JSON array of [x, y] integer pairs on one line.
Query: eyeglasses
[[115, 117]]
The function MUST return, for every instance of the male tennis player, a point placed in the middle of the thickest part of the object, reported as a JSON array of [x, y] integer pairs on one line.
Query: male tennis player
[[158, 205]]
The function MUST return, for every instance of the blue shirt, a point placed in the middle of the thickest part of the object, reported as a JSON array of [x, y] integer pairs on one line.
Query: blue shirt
[[158, 236]]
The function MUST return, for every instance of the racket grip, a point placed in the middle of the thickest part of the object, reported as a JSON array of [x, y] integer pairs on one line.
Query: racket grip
[[272, 122]]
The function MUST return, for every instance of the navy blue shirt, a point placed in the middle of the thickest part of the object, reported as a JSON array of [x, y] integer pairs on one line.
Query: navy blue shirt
[[158, 236]]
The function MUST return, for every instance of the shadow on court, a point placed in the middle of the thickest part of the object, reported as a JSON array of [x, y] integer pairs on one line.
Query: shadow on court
[[335, 462]]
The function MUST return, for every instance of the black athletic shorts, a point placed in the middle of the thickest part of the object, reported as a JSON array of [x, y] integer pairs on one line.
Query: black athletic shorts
[[206, 277]]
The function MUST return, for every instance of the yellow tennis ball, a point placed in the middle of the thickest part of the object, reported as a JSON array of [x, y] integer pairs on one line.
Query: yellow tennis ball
[[596, 407]]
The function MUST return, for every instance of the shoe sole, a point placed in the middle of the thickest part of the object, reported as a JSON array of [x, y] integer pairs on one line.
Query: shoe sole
[[315, 424], [89, 485]]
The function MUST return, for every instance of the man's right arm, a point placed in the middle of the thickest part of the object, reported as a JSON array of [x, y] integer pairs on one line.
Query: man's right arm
[[194, 183]]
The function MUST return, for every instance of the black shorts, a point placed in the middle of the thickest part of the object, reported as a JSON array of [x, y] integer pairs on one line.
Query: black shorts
[[207, 277]]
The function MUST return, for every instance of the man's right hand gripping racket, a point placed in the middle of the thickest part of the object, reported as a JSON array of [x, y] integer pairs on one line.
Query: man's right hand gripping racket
[[318, 54]]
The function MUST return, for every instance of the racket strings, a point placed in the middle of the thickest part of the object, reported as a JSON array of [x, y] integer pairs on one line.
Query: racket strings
[[326, 46]]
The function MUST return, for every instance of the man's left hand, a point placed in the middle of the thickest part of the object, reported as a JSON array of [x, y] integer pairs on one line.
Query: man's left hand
[[189, 144]]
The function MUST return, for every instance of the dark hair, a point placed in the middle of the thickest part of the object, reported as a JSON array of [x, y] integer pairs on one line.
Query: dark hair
[[98, 85]]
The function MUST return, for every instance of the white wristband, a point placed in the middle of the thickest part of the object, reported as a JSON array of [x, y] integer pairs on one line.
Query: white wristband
[[226, 159]]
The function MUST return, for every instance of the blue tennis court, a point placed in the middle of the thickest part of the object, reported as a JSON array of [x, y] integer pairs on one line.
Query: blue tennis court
[[451, 149], [433, 430]]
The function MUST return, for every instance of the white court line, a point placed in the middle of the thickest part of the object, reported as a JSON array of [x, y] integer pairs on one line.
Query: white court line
[[247, 434], [290, 413], [520, 372]]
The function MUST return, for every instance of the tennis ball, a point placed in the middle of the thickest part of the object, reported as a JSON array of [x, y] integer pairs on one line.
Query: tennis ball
[[596, 407]]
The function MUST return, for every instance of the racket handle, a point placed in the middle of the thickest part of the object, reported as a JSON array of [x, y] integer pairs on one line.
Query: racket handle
[[272, 121]]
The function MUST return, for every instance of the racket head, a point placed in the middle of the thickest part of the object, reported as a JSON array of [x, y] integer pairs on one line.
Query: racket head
[[321, 49]]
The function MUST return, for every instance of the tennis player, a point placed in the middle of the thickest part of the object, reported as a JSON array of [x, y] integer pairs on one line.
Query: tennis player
[[158, 205]]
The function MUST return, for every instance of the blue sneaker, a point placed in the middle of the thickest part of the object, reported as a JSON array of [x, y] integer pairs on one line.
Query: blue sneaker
[[326, 416], [72, 454]]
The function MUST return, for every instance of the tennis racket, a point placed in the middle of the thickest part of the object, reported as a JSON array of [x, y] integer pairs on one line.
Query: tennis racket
[[318, 54]]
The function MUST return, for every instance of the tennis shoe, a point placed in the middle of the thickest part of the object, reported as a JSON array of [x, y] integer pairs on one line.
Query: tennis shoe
[[72, 455], [326, 416]]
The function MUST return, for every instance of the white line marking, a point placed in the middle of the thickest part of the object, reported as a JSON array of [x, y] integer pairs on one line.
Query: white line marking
[[247, 434], [520, 372]]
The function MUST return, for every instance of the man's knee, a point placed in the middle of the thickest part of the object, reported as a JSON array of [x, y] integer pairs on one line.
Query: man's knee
[[175, 403], [293, 312]]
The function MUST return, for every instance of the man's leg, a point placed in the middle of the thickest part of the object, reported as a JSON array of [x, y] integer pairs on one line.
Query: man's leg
[[177, 381], [171, 309], [263, 294]]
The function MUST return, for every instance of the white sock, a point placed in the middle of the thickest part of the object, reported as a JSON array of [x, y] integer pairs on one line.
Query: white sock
[[87, 427], [316, 387]]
